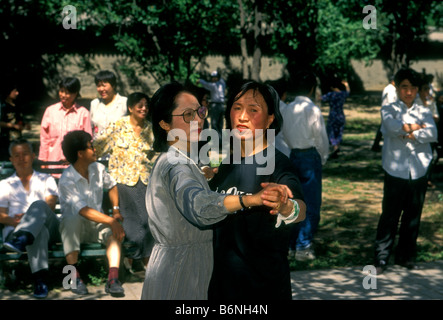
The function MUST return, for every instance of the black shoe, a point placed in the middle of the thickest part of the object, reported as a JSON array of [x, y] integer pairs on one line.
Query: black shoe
[[114, 288], [40, 290], [80, 288], [18, 242], [380, 267]]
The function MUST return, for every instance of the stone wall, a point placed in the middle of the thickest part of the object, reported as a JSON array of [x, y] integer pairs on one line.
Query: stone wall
[[373, 77]]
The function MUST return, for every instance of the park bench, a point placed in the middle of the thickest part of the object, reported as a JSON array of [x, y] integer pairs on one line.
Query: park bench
[[55, 250]]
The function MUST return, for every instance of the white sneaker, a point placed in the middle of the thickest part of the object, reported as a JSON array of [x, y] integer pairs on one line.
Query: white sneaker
[[304, 255]]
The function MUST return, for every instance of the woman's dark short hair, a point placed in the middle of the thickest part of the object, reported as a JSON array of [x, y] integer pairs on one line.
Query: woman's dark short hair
[[163, 103], [106, 76], [409, 74], [135, 98], [270, 96], [73, 142], [71, 84]]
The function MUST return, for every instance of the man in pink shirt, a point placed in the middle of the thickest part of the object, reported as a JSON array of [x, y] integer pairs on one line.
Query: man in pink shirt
[[61, 118]]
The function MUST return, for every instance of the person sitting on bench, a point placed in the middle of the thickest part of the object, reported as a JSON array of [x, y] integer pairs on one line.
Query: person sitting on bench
[[27, 204], [81, 195]]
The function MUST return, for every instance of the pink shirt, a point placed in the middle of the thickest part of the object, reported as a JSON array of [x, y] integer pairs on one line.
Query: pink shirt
[[58, 121]]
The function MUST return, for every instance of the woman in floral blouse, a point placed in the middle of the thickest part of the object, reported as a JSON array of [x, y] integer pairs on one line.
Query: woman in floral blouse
[[129, 142]]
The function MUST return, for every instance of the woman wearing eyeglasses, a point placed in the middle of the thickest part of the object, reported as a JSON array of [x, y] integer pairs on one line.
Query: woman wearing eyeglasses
[[180, 205], [129, 143]]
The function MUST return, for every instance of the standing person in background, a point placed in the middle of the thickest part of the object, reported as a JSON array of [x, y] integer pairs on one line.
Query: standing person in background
[[12, 120], [425, 99], [336, 120], [388, 96], [61, 118], [304, 131], [216, 87], [110, 107], [129, 143], [281, 86], [408, 129]]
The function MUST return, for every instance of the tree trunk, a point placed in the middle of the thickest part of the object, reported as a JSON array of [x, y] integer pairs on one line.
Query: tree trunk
[[256, 57], [243, 46]]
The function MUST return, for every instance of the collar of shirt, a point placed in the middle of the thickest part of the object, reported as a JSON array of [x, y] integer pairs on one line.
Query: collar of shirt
[[72, 109]]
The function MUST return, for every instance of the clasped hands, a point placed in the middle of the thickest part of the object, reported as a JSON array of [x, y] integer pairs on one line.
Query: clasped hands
[[276, 196]]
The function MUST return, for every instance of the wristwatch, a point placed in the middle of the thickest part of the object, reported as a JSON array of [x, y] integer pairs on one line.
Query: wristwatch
[[115, 208]]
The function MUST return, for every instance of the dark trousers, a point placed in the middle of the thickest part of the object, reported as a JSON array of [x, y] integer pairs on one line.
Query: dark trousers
[[217, 112], [307, 164], [401, 198]]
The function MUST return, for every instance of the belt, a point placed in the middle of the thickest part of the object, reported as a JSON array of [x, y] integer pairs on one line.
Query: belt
[[303, 150]]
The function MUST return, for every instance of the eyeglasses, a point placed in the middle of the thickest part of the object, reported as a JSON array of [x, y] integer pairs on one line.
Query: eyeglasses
[[189, 114], [90, 146]]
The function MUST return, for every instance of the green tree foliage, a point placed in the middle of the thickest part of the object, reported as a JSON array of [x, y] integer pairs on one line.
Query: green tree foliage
[[169, 38], [404, 27]]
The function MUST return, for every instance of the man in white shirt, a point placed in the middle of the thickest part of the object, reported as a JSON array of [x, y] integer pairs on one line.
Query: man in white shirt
[[27, 204], [81, 195], [304, 132], [388, 96], [408, 129]]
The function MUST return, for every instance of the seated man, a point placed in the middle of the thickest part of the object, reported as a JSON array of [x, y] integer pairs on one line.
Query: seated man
[[81, 194], [27, 203]]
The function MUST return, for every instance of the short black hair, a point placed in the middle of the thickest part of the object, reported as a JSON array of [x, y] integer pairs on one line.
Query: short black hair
[[303, 82], [280, 85], [106, 76], [6, 89], [73, 142], [71, 84], [163, 103], [409, 74], [135, 98], [270, 96]]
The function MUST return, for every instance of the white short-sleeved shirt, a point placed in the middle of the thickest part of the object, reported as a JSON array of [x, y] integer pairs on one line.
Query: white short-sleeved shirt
[[76, 192], [17, 199], [103, 115]]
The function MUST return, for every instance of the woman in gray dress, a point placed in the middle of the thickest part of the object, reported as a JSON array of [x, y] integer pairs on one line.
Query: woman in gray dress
[[180, 205]]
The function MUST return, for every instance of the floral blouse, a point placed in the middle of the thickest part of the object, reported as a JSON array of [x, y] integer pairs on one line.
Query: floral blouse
[[131, 157]]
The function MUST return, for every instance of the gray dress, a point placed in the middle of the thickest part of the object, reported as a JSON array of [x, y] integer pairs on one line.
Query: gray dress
[[181, 207]]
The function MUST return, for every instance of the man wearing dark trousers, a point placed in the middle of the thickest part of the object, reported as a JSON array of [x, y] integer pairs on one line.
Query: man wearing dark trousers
[[408, 129]]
